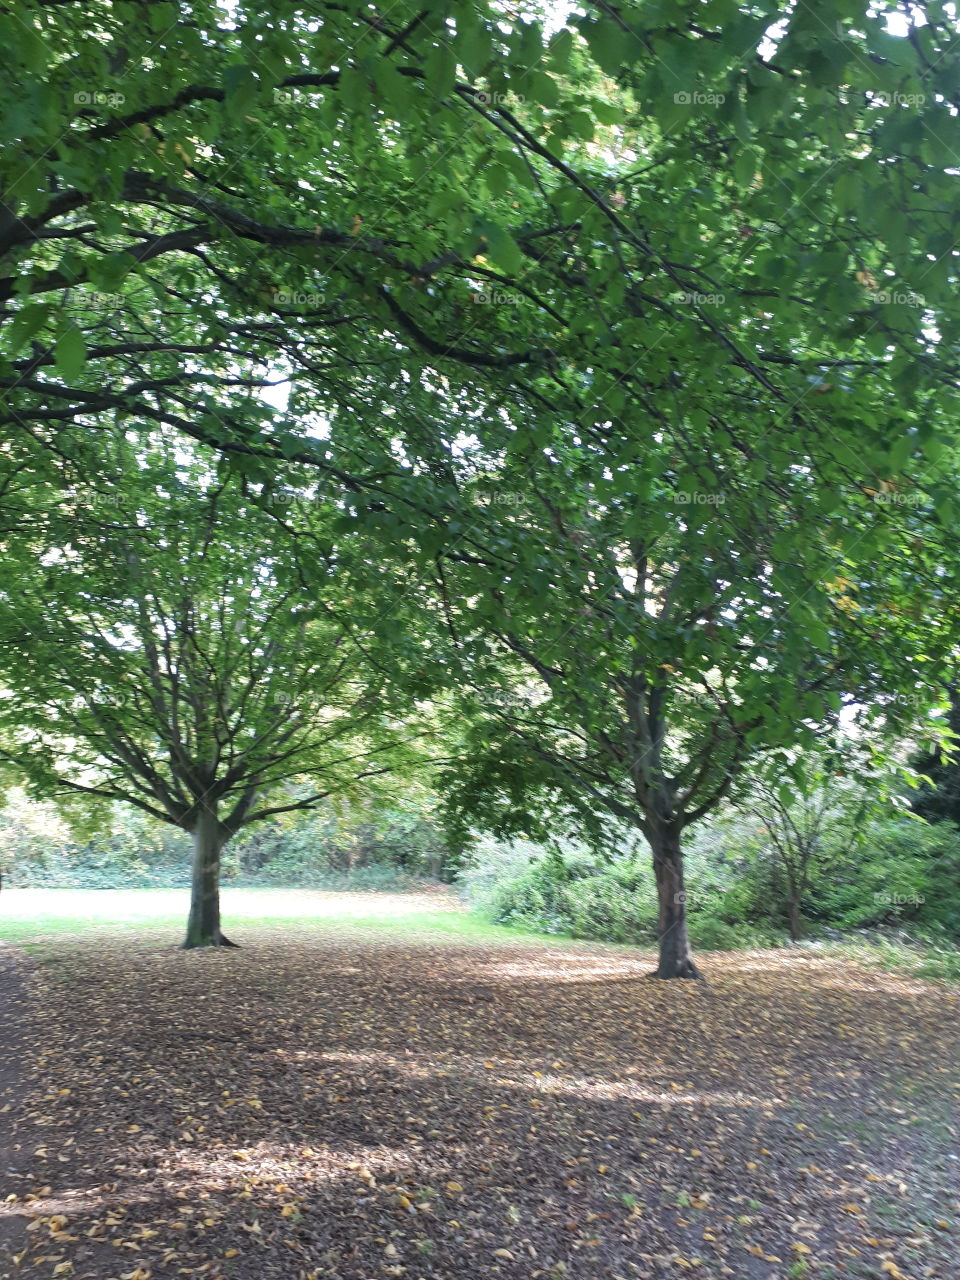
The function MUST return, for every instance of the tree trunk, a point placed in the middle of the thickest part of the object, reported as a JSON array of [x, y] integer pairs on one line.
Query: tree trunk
[[793, 911], [203, 925], [675, 958]]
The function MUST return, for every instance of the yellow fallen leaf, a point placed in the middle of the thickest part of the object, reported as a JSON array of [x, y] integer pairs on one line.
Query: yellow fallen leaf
[[454, 1187]]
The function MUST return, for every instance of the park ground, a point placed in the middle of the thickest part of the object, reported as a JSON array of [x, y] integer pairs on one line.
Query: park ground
[[383, 1086]]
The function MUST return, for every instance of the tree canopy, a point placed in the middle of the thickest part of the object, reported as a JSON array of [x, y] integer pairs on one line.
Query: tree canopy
[[164, 654], [621, 340]]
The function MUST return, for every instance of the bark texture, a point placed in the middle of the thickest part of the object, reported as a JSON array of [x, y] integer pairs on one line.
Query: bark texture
[[676, 960], [203, 925], [796, 928]]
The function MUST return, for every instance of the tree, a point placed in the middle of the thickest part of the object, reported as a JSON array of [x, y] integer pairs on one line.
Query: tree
[[664, 662], [814, 805], [716, 512], [167, 654], [597, 266], [938, 796]]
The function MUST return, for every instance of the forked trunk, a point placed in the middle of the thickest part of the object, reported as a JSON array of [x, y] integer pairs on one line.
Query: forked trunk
[[675, 958], [203, 925]]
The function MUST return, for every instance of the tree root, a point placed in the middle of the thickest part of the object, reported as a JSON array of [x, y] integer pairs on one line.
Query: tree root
[[221, 941], [686, 970]]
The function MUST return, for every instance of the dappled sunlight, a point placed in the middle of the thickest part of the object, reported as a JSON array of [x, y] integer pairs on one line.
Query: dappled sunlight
[[302, 1106], [590, 1087], [67, 1200], [285, 1163], [510, 1074], [573, 967]]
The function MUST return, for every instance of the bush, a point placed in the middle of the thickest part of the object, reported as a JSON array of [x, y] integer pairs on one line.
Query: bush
[[520, 884], [388, 848], [905, 872], [571, 893]]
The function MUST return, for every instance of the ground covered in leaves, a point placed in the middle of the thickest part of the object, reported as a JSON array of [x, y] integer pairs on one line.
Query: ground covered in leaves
[[362, 1106]]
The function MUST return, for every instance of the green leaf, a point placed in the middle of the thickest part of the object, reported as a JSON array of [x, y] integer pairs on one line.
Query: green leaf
[[70, 354], [606, 112], [502, 248], [28, 321], [239, 84], [902, 451], [440, 69], [745, 167]]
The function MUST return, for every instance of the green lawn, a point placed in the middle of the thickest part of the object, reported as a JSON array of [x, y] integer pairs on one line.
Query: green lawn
[[33, 916]]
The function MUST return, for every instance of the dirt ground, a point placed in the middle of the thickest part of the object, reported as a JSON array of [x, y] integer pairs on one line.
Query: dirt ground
[[12, 1225], [365, 1108]]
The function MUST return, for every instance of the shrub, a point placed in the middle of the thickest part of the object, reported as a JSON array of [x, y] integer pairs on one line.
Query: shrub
[[905, 871], [386, 848]]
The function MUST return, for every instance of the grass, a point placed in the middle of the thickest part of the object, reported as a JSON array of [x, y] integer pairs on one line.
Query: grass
[[32, 917], [921, 958]]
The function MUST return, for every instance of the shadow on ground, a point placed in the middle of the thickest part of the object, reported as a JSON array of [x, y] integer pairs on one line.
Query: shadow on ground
[[364, 1109]]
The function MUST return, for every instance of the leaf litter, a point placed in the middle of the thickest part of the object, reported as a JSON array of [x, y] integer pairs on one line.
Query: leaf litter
[[313, 1107]]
